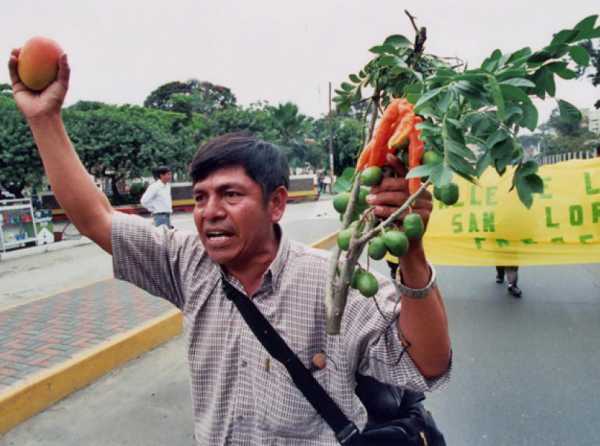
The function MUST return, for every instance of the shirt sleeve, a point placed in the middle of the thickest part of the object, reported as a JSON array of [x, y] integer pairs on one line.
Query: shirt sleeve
[[148, 256], [373, 342], [146, 199]]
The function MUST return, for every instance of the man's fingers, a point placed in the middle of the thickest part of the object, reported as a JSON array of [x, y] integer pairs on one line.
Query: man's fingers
[[393, 161], [64, 71], [12, 66]]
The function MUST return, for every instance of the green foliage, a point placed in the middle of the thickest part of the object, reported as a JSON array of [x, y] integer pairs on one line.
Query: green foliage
[[473, 116], [189, 97], [20, 165]]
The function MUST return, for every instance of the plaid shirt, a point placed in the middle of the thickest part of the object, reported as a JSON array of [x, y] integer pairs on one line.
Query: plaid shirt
[[241, 396]]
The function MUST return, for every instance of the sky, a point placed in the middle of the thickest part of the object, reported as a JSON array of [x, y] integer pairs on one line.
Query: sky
[[272, 50]]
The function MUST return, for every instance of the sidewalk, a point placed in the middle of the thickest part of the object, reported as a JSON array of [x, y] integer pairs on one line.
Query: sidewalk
[[54, 346]]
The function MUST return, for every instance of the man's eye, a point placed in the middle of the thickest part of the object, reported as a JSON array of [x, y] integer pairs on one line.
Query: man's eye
[[232, 194]]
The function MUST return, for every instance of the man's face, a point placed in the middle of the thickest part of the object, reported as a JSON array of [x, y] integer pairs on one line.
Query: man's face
[[166, 177], [233, 221]]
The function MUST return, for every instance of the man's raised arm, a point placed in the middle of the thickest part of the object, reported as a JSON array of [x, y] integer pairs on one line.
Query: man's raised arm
[[86, 206]]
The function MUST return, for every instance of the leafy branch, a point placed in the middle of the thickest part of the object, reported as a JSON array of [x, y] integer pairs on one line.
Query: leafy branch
[[471, 121]]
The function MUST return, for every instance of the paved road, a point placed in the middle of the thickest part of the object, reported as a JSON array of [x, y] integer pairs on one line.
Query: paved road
[[525, 371]]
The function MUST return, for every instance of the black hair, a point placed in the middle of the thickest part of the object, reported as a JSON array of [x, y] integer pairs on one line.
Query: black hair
[[160, 170], [263, 162]]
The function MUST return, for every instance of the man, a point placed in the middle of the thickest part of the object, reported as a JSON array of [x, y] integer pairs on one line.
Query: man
[[157, 197], [240, 395]]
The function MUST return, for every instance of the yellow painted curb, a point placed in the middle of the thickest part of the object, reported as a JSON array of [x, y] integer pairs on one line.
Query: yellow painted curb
[[326, 242], [43, 389], [39, 391]]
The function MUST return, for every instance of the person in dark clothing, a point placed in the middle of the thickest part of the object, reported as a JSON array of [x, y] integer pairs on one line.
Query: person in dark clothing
[[512, 276]]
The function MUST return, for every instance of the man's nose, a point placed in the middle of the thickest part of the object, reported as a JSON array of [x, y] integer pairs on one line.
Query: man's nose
[[213, 209]]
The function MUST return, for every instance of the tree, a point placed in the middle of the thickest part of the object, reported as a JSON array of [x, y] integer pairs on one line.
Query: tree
[[594, 71], [20, 164], [121, 142], [5, 90], [192, 96], [347, 136]]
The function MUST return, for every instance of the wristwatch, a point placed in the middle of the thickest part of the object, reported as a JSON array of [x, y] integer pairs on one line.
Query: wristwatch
[[416, 293]]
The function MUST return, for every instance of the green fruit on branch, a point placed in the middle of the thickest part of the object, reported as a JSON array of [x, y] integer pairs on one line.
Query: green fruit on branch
[[430, 157], [396, 242], [340, 202], [362, 197], [413, 226], [367, 284], [447, 194], [371, 176], [355, 275], [343, 239], [377, 248]]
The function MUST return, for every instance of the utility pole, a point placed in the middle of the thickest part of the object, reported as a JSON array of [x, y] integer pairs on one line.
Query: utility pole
[[330, 141]]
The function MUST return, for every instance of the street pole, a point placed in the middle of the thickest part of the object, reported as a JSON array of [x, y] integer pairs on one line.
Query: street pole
[[330, 141]]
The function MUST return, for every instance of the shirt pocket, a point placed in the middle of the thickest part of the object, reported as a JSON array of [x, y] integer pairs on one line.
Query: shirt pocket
[[285, 411]]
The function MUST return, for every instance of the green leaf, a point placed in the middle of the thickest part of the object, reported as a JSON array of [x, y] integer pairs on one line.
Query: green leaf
[[461, 166], [496, 93], [445, 101], [483, 163], [569, 112], [580, 55], [519, 56], [509, 73], [346, 86], [344, 181], [548, 80], [525, 193], [420, 171], [389, 60], [469, 89], [378, 49], [539, 57], [503, 151], [565, 36], [527, 168], [459, 149], [441, 175], [587, 24], [497, 137], [518, 82], [413, 92], [560, 68], [491, 63], [530, 116], [398, 41], [535, 183], [427, 97], [354, 78], [510, 92]]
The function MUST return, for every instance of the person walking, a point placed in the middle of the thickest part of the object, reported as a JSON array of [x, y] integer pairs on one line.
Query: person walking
[[512, 276], [157, 197]]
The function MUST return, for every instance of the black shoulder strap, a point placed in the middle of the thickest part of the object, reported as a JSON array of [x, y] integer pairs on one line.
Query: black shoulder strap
[[345, 430]]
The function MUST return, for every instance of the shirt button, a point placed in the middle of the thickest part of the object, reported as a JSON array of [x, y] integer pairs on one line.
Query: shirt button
[[244, 364]]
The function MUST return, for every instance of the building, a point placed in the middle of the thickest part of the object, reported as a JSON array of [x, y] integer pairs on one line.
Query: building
[[592, 116]]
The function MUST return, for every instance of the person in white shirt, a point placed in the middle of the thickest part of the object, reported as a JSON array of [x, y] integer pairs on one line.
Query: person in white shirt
[[157, 198]]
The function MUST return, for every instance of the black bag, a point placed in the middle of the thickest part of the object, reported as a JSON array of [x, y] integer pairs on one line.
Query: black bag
[[396, 416]]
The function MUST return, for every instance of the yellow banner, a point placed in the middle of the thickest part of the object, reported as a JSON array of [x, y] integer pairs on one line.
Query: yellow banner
[[490, 226]]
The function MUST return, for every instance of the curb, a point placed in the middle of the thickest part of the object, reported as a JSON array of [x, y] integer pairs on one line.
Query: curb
[[42, 390], [49, 386], [57, 246]]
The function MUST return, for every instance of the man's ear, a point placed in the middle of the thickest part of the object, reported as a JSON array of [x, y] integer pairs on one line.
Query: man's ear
[[277, 203]]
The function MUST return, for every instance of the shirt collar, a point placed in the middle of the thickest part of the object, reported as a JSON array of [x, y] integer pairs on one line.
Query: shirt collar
[[273, 273]]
